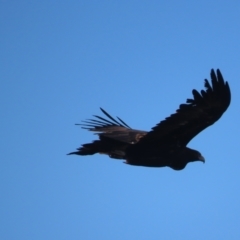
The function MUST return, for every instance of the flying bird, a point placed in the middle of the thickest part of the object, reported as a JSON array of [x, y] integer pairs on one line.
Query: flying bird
[[166, 143]]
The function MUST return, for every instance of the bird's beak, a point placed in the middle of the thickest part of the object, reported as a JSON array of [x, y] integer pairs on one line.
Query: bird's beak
[[201, 158]]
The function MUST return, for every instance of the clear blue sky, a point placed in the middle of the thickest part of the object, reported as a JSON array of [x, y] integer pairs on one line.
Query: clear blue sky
[[60, 62]]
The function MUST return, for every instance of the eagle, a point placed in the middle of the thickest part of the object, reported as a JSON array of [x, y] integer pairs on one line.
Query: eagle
[[166, 144]]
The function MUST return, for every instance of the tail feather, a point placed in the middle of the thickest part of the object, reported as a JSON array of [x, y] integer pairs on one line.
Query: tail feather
[[88, 148], [111, 147]]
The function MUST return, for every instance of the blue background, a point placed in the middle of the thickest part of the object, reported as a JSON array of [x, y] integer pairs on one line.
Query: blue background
[[60, 62]]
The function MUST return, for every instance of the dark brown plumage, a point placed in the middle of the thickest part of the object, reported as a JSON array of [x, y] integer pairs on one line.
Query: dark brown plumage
[[166, 143]]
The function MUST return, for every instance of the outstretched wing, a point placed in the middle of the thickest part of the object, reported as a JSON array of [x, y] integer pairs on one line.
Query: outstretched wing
[[191, 118], [113, 128]]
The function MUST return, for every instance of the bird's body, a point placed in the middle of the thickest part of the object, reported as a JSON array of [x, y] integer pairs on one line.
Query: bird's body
[[166, 143]]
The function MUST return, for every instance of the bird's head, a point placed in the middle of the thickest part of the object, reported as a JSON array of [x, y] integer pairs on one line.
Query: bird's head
[[188, 155], [192, 155]]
